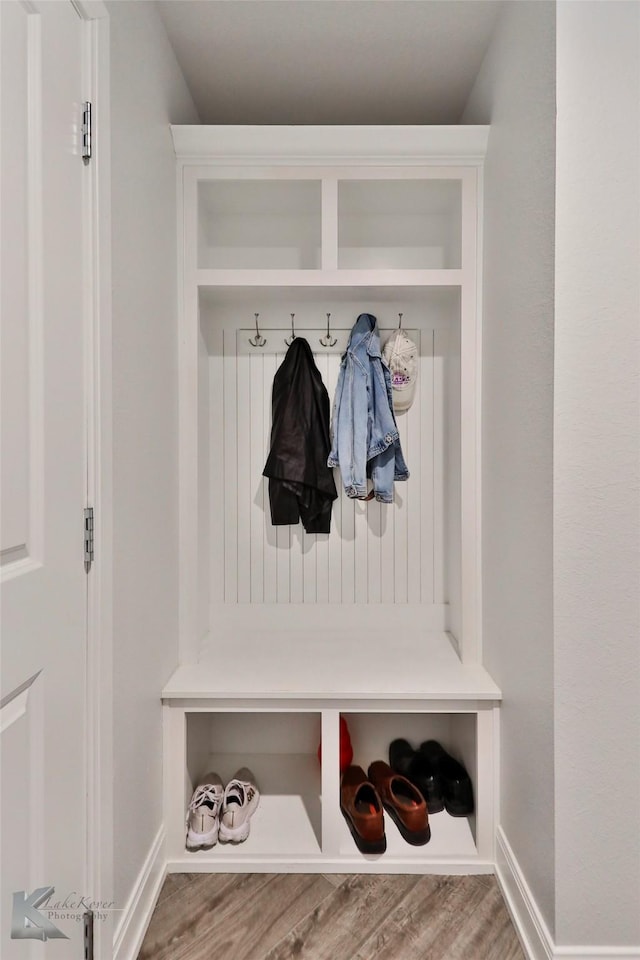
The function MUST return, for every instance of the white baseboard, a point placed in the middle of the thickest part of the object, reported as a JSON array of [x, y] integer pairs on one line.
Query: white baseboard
[[532, 930], [529, 923], [136, 915], [598, 953]]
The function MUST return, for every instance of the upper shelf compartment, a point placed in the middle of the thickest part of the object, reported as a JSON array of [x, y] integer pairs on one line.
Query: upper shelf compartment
[[329, 224], [329, 206], [399, 224], [259, 224]]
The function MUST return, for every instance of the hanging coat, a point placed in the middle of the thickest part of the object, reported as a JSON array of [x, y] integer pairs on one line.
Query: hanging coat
[[366, 442], [301, 485]]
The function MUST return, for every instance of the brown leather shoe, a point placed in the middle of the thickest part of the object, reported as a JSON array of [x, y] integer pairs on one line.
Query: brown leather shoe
[[362, 809], [403, 802]]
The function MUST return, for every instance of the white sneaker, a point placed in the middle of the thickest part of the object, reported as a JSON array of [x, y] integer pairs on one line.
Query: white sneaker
[[240, 802], [204, 812]]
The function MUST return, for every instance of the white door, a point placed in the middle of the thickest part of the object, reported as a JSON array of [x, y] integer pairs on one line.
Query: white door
[[43, 421]]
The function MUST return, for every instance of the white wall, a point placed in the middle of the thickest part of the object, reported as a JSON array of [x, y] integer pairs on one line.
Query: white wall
[[597, 507], [148, 92], [515, 93]]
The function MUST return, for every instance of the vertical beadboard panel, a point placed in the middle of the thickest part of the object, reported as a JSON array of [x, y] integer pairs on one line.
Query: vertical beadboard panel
[[322, 540], [391, 518], [256, 464], [414, 504], [269, 532], [400, 521], [375, 553], [230, 468], [336, 538], [244, 370], [348, 535], [387, 551], [376, 517], [284, 539], [296, 565], [297, 556], [427, 466], [361, 551], [288, 585], [309, 566]]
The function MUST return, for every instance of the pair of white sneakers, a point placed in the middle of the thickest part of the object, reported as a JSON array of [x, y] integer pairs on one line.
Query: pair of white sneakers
[[221, 813]]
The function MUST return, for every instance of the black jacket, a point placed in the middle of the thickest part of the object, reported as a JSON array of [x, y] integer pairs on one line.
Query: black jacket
[[301, 485]]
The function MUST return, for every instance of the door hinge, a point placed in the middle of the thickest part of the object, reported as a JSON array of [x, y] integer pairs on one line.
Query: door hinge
[[88, 538], [86, 132], [88, 934]]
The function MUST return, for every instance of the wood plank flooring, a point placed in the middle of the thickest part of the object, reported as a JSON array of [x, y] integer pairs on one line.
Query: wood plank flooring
[[259, 916]]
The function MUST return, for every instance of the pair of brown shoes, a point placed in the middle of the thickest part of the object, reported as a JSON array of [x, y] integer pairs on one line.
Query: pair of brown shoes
[[362, 800]]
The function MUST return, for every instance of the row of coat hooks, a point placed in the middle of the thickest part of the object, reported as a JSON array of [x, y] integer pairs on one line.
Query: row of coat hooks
[[327, 341]]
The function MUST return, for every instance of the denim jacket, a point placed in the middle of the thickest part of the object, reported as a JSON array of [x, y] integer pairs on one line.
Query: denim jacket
[[365, 435]]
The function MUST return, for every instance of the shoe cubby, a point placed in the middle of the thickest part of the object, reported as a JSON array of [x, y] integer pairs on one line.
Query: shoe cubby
[[280, 749], [298, 825], [371, 734], [283, 230]]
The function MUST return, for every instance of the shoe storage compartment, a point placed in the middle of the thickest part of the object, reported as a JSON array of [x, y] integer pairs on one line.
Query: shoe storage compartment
[[298, 825], [371, 734], [280, 748], [281, 631]]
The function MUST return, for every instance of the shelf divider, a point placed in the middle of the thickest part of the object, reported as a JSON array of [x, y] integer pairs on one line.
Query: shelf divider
[[329, 221], [330, 782]]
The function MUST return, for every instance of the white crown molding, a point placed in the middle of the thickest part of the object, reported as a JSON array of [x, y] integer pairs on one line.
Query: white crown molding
[[231, 143]]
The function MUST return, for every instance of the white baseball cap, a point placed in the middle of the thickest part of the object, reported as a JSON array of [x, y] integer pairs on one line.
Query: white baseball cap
[[401, 355]]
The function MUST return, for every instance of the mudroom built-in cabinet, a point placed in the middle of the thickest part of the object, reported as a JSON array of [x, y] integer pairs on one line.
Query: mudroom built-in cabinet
[[295, 231]]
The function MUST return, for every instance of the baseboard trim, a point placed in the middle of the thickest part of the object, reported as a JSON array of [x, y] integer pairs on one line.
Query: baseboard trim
[[136, 915], [598, 953], [531, 928]]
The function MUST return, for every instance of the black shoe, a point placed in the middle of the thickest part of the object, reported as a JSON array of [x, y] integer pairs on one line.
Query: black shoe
[[456, 784], [416, 768]]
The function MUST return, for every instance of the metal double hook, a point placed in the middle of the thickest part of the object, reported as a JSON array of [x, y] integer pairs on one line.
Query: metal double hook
[[289, 340], [399, 321], [328, 341], [258, 340]]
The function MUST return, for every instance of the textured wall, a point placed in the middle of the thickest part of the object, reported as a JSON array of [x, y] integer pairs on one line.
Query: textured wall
[[515, 93], [148, 92], [597, 507]]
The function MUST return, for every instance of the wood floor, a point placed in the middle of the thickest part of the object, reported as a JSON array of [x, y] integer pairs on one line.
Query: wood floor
[[259, 916]]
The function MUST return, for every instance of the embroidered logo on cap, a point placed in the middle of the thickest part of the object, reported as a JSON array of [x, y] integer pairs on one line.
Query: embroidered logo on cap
[[401, 355]]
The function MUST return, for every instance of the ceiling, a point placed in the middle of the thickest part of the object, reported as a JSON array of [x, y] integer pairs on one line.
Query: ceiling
[[330, 61]]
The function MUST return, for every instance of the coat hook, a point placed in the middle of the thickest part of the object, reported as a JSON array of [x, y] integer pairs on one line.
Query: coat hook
[[328, 341], [399, 321], [289, 340], [258, 340]]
